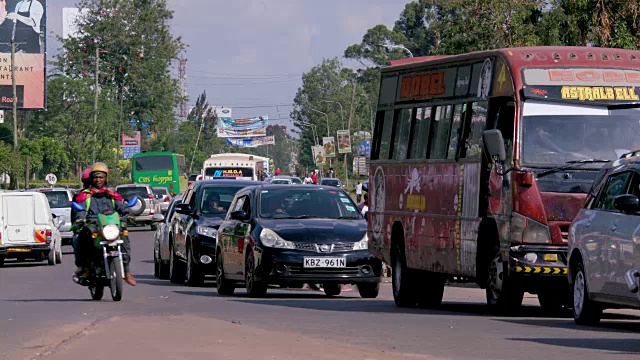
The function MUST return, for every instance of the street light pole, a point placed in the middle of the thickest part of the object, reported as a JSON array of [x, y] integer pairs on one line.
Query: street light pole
[[327, 116], [399, 47], [341, 111], [313, 129]]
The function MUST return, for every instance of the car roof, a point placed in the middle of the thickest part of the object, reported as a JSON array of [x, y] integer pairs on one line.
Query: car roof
[[267, 186], [132, 186], [330, 179], [46, 189]]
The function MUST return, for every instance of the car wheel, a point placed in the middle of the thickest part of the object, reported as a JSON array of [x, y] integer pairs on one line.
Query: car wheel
[[431, 291], [402, 281], [154, 227], [59, 256], [368, 290], [502, 293], [332, 289], [224, 285], [585, 311], [254, 288], [176, 268], [1, 261], [51, 257], [195, 275], [156, 266]]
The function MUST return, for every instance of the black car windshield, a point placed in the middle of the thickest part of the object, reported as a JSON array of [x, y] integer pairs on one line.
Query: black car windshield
[[58, 199], [599, 133], [307, 203], [330, 182], [217, 199]]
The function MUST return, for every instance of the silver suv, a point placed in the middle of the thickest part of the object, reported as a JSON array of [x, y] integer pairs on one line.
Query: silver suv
[[60, 203], [142, 213]]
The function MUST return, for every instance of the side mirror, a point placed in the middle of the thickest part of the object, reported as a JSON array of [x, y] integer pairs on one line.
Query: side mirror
[[494, 144], [239, 215], [183, 209], [157, 218], [54, 216], [627, 203], [132, 202], [77, 207]]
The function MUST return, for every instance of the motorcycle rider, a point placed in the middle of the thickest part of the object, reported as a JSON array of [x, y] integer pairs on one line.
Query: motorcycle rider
[[101, 199]]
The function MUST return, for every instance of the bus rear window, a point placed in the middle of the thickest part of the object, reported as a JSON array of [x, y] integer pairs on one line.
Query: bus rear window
[[154, 163], [231, 172]]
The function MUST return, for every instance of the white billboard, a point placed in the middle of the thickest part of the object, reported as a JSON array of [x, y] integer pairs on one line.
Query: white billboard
[[70, 18]]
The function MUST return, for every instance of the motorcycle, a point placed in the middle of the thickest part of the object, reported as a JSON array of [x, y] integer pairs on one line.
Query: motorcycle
[[106, 270]]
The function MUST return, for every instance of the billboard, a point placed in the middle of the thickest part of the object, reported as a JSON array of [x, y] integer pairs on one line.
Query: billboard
[[70, 18], [329, 143], [24, 23], [344, 142], [222, 112], [243, 133], [244, 124], [131, 145], [252, 142], [318, 155]]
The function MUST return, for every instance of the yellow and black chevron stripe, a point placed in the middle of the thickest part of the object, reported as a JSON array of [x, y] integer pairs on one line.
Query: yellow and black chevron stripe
[[548, 270]]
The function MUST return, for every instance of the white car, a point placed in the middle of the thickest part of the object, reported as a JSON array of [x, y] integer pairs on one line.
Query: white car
[[29, 229]]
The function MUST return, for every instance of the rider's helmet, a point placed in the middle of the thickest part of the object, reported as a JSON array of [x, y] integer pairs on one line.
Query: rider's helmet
[[100, 167], [86, 177]]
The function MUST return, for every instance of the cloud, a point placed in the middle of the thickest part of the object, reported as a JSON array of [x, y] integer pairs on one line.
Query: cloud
[[357, 23]]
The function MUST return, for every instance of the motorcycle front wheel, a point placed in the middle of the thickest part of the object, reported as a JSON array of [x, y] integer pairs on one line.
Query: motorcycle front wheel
[[115, 266]]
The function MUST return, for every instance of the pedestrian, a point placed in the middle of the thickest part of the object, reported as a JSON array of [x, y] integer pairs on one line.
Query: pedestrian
[[365, 204], [314, 178], [278, 172], [358, 192], [307, 179]]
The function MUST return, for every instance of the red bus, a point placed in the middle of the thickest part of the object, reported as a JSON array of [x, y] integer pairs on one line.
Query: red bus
[[480, 162]]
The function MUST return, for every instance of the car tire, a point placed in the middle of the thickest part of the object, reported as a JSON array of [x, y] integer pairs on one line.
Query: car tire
[[254, 288], [332, 289], [156, 266], [585, 311], [431, 291], [51, 257], [225, 286], [154, 227], [1, 261], [502, 293], [368, 290], [403, 283], [194, 273], [59, 256], [176, 269]]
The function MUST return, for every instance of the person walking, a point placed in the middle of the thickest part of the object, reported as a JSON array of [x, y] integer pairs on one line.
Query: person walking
[[358, 192]]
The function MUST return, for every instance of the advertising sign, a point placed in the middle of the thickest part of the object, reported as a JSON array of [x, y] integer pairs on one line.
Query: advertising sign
[[244, 124], [231, 133], [318, 155], [329, 143], [28, 31], [70, 17], [364, 148], [222, 112], [344, 142], [131, 145], [252, 142]]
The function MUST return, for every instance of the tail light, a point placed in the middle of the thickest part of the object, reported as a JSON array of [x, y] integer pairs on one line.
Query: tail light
[[150, 196], [171, 186], [48, 233], [166, 199]]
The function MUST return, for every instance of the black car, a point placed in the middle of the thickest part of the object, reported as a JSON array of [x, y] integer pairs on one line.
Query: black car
[[194, 235], [289, 235]]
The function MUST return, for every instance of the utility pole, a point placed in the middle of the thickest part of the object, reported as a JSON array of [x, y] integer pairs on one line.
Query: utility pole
[[197, 141], [15, 92], [95, 103], [119, 142], [353, 109]]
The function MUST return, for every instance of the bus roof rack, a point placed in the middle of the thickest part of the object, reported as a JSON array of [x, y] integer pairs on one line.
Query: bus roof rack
[[630, 154]]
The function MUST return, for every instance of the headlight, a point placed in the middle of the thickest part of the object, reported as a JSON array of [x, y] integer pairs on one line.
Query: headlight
[[269, 238], [527, 231], [362, 244], [206, 231], [110, 232]]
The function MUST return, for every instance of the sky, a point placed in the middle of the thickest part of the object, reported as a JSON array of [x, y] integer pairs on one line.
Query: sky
[[250, 54]]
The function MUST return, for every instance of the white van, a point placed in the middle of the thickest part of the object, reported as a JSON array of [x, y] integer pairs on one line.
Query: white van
[[28, 229]]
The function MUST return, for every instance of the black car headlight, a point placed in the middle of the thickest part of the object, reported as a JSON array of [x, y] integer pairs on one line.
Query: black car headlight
[[269, 238], [207, 231]]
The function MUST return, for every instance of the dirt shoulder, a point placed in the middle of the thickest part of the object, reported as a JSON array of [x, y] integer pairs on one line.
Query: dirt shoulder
[[189, 337]]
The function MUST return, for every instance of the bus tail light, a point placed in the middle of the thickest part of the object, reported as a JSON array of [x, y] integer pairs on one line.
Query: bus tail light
[[528, 231], [171, 186]]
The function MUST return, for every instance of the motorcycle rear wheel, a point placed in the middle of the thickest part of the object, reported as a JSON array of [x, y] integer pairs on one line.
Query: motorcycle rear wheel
[[116, 278], [96, 292]]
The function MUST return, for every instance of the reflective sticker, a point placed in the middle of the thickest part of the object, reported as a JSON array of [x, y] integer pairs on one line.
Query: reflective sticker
[[345, 200], [351, 208]]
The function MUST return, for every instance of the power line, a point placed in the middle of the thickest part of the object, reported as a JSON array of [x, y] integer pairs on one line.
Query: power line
[[247, 83]]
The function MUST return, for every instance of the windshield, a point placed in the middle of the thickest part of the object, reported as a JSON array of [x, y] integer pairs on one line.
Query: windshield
[[216, 200], [229, 172], [58, 199], [280, 181], [330, 182], [160, 192], [296, 180], [193, 177], [154, 163], [300, 204], [555, 134]]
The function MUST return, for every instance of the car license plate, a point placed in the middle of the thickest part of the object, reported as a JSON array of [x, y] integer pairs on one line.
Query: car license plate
[[19, 250], [324, 262]]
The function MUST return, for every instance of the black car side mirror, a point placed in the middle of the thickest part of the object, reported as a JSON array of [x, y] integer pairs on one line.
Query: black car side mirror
[[494, 144], [240, 215], [184, 209], [627, 203]]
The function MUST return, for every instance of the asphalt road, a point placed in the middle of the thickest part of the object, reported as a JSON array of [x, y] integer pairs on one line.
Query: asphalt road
[[38, 301]]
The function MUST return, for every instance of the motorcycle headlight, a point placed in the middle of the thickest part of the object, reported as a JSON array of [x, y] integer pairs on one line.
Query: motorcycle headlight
[[110, 232], [269, 238], [362, 244], [207, 231]]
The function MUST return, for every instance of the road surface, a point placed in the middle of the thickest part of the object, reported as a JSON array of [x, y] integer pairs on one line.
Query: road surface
[[43, 314]]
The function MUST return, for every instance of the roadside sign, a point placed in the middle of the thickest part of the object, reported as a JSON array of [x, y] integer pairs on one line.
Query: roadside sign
[[51, 179]]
